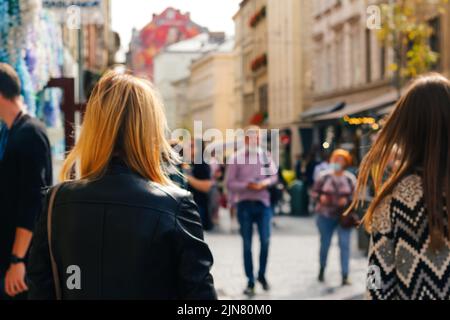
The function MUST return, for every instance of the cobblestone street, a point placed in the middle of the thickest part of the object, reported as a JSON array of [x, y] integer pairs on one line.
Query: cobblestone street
[[293, 263]]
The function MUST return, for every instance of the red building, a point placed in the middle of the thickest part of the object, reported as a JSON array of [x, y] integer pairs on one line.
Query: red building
[[166, 28]]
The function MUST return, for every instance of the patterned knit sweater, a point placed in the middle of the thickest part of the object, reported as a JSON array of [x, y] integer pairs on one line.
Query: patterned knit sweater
[[400, 249]]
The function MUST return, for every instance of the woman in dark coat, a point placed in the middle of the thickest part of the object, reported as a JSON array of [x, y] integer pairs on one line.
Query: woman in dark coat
[[122, 230]]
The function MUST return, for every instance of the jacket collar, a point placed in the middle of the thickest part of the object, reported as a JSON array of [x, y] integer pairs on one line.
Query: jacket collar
[[118, 166]]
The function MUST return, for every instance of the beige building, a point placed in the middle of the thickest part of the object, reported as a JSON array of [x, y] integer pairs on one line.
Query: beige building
[[251, 51], [180, 54], [210, 89], [273, 73], [351, 75], [180, 88], [289, 71]]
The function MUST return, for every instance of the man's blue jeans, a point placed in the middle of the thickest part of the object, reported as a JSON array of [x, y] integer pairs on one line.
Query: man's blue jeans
[[250, 213], [326, 227]]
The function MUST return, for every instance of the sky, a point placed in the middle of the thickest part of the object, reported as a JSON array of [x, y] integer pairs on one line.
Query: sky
[[216, 15]]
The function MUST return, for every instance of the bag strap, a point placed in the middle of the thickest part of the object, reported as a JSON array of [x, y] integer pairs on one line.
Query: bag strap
[[51, 204], [323, 180]]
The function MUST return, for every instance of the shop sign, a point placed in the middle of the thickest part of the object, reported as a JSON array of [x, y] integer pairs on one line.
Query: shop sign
[[75, 13]]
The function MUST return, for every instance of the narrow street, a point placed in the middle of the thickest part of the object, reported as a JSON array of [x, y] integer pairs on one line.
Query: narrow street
[[293, 263], [119, 119]]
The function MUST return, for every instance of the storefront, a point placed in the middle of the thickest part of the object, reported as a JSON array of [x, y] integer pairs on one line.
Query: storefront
[[352, 126]]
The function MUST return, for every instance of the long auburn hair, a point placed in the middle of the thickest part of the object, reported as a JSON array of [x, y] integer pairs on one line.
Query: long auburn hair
[[416, 135], [125, 118]]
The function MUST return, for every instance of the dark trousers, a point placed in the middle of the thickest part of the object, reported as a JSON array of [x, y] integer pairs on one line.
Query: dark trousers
[[205, 218], [250, 213]]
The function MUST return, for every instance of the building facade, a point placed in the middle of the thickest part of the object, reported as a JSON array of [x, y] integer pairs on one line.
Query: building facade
[[289, 72], [273, 73], [169, 27], [352, 79], [181, 55], [210, 89], [251, 50], [181, 104]]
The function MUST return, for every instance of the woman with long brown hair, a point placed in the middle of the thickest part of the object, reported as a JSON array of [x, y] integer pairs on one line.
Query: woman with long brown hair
[[408, 219], [122, 229]]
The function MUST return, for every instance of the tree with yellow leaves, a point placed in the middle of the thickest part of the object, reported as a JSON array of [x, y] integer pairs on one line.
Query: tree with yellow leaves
[[406, 29]]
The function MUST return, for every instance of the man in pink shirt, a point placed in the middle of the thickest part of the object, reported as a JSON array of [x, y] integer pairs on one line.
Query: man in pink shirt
[[250, 172]]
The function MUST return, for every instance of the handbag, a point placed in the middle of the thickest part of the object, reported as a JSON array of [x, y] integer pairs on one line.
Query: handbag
[[349, 220], [51, 204]]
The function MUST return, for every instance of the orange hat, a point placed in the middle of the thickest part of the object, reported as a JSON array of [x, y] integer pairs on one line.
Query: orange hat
[[342, 153]]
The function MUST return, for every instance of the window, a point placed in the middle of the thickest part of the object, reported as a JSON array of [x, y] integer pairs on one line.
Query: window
[[435, 39], [383, 61], [263, 98], [319, 68], [355, 54], [340, 60], [368, 56], [329, 68]]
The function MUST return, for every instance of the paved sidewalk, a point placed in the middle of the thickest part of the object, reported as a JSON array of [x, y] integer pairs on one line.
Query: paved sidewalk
[[293, 263]]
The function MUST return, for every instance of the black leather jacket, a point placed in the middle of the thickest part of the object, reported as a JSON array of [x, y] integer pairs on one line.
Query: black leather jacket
[[131, 239]]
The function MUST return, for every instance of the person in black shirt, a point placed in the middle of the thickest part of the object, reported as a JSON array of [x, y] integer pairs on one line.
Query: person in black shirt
[[25, 169], [200, 183]]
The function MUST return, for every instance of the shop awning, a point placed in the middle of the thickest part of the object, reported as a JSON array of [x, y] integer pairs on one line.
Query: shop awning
[[386, 110], [382, 101], [315, 111]]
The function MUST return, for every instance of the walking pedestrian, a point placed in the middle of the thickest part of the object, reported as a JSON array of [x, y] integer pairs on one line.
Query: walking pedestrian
[[276, 192], [200, 182], [25, 169], [216, 191], [333, 192], [310, 166], [321, 166], [128, 230], [249, 181], [408, 218], [299, 158]]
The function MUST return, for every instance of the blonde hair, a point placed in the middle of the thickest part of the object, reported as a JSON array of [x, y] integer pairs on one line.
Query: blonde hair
[[124, 117]]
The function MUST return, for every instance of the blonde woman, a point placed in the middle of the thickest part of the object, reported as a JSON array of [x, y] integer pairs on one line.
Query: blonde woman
[[121, 230], [409, 216]]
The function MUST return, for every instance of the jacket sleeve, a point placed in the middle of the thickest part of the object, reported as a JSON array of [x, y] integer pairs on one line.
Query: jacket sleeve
[[195, 260], [382, 281], [40, 277], [32, 178]]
